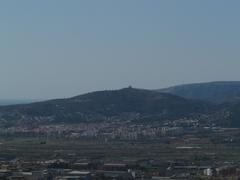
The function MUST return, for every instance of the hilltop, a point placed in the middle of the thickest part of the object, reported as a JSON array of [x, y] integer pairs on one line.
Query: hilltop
[[124, 104], [211, 103]]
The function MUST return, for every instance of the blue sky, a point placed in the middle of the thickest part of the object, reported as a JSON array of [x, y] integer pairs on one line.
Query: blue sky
[[62, 48]]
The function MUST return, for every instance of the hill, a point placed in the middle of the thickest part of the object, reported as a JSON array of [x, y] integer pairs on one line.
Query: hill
[[214, 92], [124, 104]]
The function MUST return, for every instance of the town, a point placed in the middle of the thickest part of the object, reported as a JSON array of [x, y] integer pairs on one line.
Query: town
[[180, 149], [79, 169]]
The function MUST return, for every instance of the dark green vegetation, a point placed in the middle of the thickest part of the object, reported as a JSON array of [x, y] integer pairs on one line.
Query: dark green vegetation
[[30, 148], [217, 102], [124, 104]]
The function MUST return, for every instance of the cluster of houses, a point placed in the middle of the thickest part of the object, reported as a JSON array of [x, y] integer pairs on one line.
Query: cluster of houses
[[100, 131], [60, 169]]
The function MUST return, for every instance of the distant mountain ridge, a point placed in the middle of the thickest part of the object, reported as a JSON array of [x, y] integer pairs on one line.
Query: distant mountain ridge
[[211, 103], [214, 92], [4, 102], [123, 104]]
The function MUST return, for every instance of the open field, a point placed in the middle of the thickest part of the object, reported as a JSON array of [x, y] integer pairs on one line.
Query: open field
[[33, 148]]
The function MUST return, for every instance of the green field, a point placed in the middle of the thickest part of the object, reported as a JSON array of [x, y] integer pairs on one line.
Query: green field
[[32, 148]]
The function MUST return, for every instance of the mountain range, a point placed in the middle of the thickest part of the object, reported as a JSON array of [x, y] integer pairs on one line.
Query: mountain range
[[214, 92], [218, 102]]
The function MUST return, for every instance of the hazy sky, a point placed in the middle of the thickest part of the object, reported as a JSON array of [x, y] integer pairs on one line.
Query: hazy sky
[[61, 48]]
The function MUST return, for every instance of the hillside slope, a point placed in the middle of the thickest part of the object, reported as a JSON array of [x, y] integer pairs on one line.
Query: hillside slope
[[214, 92], [123, 104]]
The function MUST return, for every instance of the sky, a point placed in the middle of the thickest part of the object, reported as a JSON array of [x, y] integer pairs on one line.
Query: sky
[[62, 48]]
